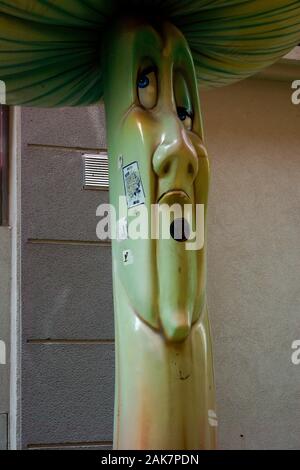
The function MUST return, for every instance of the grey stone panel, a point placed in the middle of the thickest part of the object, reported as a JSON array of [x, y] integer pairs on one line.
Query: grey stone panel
[[67, 393], [54, 203], [67, 292], [5, 275], [67, 127], [74, 446], [3, 432]]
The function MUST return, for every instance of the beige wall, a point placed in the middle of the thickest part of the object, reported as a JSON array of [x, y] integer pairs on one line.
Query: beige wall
[[253, 137]]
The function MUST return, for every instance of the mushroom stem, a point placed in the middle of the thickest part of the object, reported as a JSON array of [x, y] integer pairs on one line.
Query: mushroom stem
[[164, 389]]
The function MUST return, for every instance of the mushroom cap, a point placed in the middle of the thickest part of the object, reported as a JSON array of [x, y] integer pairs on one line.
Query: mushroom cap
[[50, 51]]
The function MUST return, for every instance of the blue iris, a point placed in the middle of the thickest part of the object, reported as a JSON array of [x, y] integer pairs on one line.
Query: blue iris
[[143, 81], [182, 113]]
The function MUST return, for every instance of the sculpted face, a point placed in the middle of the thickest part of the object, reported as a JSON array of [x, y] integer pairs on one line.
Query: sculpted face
[[156, 155]]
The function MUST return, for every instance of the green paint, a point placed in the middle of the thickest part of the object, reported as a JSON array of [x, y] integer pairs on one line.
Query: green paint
[[51, 52], [164, 371]]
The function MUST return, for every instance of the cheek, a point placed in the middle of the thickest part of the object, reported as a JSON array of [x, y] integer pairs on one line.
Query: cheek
[[198, 145], [139, 136], [141, 133], [202, 179]]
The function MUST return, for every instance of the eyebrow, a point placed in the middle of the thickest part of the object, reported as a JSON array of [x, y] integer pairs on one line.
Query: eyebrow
[[147, 70]]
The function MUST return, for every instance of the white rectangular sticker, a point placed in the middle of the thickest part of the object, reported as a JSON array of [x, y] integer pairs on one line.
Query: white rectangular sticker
[[133, 185]]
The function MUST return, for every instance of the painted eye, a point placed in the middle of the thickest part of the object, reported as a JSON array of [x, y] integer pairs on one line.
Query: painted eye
[[147, 88], [143, 81], [185, 116]]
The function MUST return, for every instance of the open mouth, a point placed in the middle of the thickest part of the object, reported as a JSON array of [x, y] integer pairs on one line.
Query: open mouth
[[180, 230], [174, 196], [179, 227]]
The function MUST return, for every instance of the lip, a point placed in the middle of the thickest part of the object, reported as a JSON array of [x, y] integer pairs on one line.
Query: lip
[[174, 196]]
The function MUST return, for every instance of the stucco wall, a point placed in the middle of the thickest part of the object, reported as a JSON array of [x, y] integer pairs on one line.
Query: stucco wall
[[253, 134], [253, 137]]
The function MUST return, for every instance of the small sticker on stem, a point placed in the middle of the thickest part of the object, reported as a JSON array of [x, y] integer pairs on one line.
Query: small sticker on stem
[[133, 185]]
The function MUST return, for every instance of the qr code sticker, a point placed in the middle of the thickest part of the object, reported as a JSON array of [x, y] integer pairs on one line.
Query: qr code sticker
[[133, 185]]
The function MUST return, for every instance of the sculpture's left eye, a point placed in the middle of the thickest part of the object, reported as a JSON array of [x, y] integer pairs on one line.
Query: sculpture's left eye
[[183, 100], [186, 116], [147, 87]]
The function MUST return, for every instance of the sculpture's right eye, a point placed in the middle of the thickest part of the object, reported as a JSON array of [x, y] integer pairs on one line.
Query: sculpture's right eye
[[147, 87]]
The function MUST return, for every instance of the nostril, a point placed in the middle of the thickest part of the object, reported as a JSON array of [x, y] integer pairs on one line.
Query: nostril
[[190, 169], [166, 167]]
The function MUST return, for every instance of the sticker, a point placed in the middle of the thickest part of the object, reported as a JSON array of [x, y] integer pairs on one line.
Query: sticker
[[127, 257], [133, 185], [122, 230], [212, 418]]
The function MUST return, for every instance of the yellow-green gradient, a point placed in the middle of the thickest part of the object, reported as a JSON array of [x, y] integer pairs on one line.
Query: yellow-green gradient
[[164, 370]]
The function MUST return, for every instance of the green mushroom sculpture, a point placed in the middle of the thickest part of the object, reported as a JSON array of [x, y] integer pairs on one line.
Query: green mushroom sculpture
[[146, 60]]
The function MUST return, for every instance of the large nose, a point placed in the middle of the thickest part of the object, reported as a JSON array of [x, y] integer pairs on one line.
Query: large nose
[[175, 159]]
